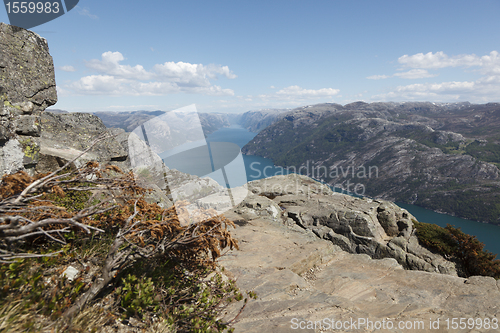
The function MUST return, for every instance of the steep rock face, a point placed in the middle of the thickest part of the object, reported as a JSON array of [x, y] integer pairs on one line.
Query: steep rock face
[[27, 87], [397, 152], [27, 69], [377, 228]]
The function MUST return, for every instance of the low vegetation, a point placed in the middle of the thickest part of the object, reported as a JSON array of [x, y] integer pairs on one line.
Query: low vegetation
[[455, 244], [139, 265]]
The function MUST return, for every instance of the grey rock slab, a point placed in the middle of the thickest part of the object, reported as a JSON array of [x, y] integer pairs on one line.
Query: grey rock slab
[[28, 125], [11, 157], [358, 225], [27, 69], [287, 184], [65, 136], [276, 261]]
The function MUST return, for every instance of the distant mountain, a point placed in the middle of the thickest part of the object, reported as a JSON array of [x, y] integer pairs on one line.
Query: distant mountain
[[440, 156], [56, 111], [128, 120], [256, 121]]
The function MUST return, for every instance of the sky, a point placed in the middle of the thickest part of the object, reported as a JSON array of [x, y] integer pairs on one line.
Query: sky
[[236, 56]]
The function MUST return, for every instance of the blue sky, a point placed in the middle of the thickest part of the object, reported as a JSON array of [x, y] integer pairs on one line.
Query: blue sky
[[235, 56]]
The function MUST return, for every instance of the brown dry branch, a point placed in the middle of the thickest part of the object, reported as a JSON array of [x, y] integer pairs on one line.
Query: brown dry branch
[[144, 238], [27, 211], [92, 198]]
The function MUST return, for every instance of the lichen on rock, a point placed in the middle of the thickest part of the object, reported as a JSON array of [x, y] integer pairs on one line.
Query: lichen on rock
[[27, 87]]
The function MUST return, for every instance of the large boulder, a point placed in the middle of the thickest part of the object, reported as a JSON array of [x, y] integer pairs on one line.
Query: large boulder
[[27, 87], [377, 228], [66, 136]]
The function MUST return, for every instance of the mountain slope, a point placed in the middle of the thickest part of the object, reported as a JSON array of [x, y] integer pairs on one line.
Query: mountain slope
[[400, 152]]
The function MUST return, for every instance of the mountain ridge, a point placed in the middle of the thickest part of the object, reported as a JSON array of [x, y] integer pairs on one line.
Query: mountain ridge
[[419, 160]]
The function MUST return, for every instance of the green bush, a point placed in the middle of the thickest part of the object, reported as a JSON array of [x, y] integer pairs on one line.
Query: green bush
[[454, 243]]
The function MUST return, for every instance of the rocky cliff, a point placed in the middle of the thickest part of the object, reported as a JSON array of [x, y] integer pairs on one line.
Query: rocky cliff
[[27, 87], [377, 228], [399, 152], [308, 284]]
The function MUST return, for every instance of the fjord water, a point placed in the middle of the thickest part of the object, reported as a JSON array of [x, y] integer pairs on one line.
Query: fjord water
[[259, 167]]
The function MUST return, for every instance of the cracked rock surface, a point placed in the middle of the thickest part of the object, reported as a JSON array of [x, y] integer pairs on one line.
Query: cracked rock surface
[[27, 87], [26, 68], [301, 279]]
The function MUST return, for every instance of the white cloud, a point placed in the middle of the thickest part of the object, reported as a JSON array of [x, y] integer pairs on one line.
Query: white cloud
[[296, 92], [99, 85], [415, 74], [488, 64], [67, 68], [484, 89], [167, 78], [191, 74], [86, 12], [110, 65], [378, 77], [411, 74]]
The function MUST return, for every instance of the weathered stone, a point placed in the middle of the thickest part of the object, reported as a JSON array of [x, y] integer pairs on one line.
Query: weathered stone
[[400, 242], [27, 87], [27, 107], [416, 263], [18, 109], [70, 273], [299, 277], [9, 109], [484, 281], [321, 231], [289, 184], [28, 125], [11, 157], [355, 224], [4, 111], [387, 219], [31, 150], [27, 71], [343, 242], [4, 133], [66, 136], [255, 206], [397, 253]]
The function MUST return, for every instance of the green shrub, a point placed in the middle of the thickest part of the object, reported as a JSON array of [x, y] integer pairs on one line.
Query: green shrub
[[452, 242], [435, 238]]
